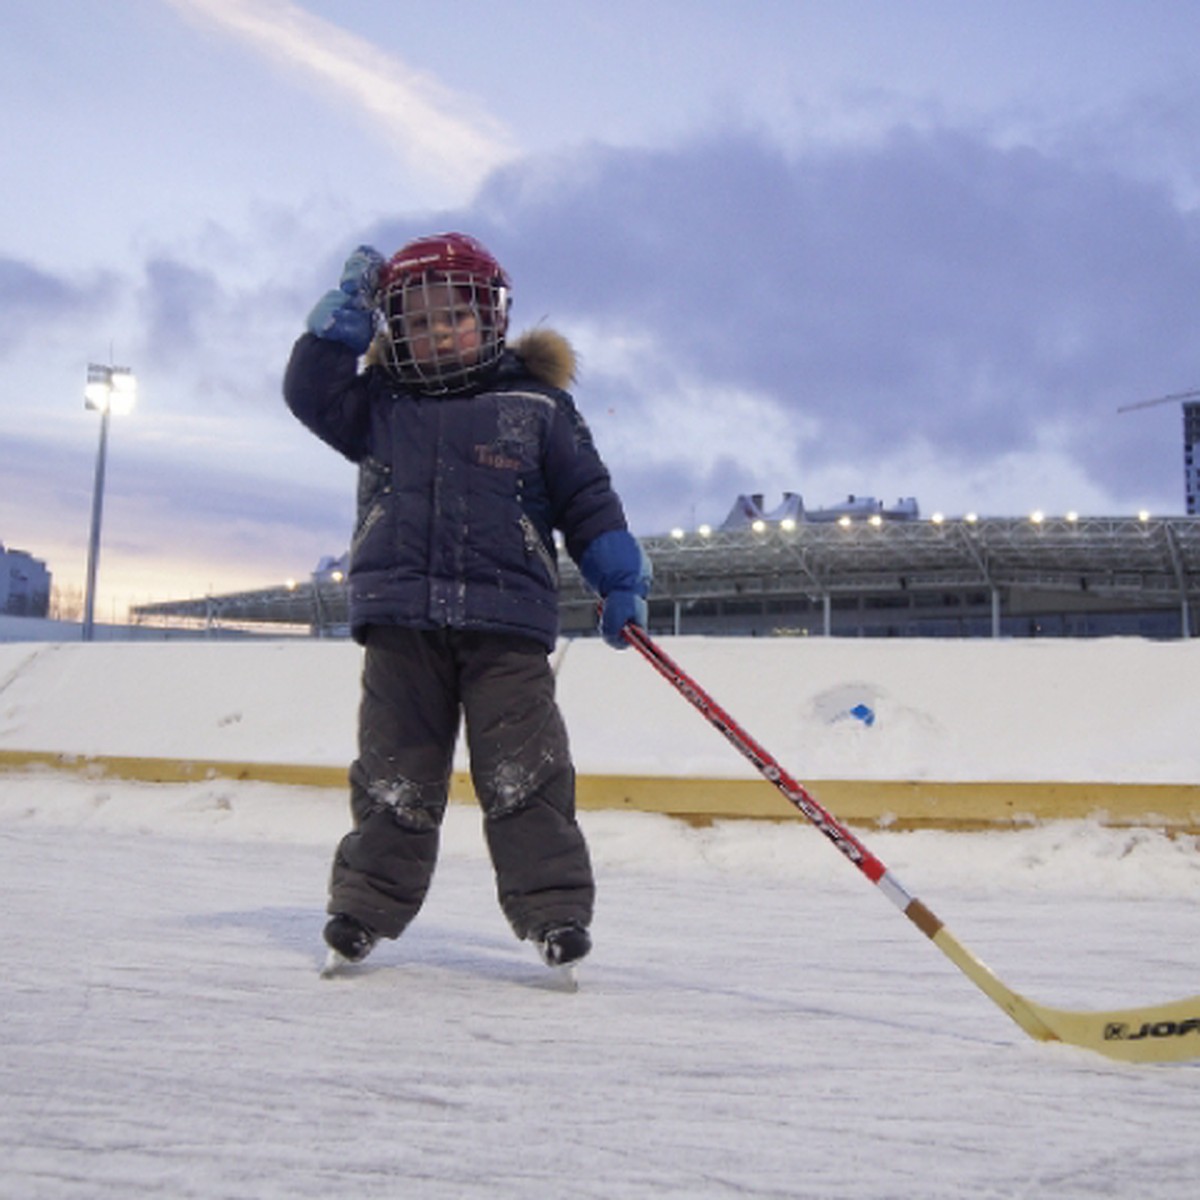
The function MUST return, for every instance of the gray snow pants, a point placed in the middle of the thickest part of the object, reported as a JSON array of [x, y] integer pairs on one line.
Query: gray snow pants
[[415, 683]]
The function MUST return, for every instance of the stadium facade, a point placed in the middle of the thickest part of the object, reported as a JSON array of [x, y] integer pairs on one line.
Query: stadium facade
[[859, 569]]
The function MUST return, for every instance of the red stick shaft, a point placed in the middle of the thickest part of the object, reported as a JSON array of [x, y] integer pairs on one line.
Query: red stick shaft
[[764, 762]]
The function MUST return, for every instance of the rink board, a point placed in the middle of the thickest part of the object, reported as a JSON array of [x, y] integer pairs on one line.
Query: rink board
[[891, 804]]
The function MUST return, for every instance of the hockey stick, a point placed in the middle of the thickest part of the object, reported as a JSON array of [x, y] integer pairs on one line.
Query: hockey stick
[[1157, 1033]]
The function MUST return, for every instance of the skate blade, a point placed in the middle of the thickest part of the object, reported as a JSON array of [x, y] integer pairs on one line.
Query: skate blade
[[334, 965], [568, 977]]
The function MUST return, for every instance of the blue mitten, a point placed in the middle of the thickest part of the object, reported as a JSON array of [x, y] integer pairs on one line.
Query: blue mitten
[[617, 569], [346, 314], [619, 610]]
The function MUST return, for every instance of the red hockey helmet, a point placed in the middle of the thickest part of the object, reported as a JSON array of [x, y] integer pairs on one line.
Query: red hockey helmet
[[447, 282]]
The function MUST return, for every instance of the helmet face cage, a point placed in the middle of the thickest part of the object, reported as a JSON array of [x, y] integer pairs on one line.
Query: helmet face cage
[[444, 311]]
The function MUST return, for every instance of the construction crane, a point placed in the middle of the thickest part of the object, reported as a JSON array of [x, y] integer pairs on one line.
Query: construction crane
[[1191, 439], [1194, 394]]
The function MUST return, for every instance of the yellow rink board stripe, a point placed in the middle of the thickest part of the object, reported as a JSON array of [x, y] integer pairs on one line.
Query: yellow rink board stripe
[[905, 804], [887, 804]]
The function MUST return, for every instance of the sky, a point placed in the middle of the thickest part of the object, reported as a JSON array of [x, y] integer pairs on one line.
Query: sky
[[924, 249]]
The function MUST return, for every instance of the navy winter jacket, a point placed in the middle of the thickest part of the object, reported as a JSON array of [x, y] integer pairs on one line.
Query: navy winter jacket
[[459, 495]]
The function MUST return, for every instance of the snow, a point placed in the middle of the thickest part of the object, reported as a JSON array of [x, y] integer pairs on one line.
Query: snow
[[1116, 710], [755, 1021]]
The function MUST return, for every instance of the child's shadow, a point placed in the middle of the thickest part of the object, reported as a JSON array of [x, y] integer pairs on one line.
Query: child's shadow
[[426, 945]]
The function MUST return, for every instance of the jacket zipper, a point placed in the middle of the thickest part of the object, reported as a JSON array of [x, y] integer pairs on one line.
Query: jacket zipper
[[369, 522], [534, 545]]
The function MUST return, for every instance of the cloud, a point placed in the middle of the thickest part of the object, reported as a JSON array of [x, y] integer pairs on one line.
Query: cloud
[[434, 129], [31, 298], [932, 293], [176, 300], [1153, 135], [931, 314], [175, 522], [223, 527]]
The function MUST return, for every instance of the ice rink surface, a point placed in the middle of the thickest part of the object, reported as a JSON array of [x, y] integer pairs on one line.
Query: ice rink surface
[[755, 1021]]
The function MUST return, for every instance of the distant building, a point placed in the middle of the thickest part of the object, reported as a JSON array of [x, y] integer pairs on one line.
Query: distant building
[[24, 584], [1191, 456], [1191, 442]]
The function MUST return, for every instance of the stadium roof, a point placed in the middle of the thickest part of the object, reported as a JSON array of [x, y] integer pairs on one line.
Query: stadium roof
[[1153, 557]]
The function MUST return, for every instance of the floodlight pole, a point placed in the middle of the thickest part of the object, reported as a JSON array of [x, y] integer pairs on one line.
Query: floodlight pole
[[104, 383], [89, 607]]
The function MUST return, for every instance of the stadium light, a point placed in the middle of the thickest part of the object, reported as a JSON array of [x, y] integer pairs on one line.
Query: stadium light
[[109, 390]]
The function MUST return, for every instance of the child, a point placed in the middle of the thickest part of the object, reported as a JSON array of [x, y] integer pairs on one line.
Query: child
[[470, 455]]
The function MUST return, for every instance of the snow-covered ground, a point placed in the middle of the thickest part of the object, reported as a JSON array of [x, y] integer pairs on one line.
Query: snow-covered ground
[[755, 1021]]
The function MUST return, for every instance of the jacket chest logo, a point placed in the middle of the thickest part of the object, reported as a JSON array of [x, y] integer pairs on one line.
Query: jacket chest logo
[[494, 458]]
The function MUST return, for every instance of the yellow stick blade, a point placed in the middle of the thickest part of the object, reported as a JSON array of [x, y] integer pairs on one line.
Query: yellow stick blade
[[1156, 1033]]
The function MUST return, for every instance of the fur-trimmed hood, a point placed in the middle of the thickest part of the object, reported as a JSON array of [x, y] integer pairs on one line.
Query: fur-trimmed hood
[[547, 356]]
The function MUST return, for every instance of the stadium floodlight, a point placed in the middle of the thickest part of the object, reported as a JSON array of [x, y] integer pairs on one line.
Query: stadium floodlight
[[109, 390]]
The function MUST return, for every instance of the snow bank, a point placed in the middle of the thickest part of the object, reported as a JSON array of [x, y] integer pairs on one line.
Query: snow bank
[[1119, 710]]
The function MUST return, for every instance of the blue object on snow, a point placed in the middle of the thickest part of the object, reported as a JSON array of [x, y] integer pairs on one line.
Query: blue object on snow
[[864, 712]]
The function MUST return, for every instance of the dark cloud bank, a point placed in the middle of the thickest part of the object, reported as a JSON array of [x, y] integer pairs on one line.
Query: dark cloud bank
[[929, 286]]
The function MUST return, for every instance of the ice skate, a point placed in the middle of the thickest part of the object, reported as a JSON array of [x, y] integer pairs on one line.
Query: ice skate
[[562, 947], [349, 941]]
